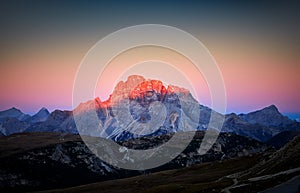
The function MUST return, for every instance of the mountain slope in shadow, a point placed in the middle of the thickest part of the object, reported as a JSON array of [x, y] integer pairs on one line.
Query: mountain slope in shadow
[[266, 170], [40, 161]]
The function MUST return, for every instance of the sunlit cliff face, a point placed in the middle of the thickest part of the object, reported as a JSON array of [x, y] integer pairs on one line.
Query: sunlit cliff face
[[149, 89], [138, 92], [138, 88]]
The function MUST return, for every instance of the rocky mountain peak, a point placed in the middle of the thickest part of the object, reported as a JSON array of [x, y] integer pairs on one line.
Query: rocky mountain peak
[[270, 109], [40, 116], [43, 109], [137, 87], [148, 88], [268, 116], [123, 89], [13, 113]]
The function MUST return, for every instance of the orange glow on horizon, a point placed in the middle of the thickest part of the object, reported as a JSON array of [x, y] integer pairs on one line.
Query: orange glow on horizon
[[256, 74]]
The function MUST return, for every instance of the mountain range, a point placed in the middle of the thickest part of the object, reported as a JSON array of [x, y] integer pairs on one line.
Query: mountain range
[[260, 125], [15, 121], [45, 152]]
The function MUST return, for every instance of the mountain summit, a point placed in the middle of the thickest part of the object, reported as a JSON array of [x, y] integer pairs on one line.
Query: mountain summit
[[137, 87], [40, 116], [268, 116], [13, 113]]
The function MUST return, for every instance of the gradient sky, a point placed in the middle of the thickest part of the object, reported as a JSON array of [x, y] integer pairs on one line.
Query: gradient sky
[[256, 46]]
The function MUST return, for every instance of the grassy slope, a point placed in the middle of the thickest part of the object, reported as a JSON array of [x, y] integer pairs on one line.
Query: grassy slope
[[210, 177], [21, 142], [198, 178]]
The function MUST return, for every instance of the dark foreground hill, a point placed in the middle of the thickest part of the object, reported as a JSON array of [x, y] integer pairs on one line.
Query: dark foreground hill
[[41, 161], [282, 138], [245, 174]]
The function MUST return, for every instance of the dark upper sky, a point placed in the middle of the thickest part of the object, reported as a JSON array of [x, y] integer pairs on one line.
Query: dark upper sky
[[31, 20]]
